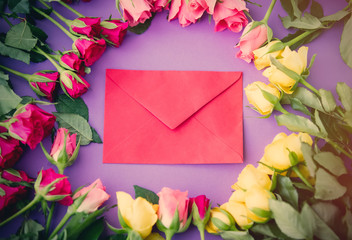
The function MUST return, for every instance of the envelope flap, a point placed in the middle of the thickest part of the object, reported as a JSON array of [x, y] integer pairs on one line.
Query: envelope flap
[[173, 96]]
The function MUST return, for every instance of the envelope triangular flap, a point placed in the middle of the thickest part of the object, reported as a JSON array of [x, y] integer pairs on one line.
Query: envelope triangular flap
[[173, 96]]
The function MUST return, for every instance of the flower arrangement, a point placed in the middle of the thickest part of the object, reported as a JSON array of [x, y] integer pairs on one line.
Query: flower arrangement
[[298, 190]]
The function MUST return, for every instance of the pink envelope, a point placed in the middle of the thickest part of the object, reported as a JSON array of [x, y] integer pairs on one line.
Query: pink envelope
[[173, 117]]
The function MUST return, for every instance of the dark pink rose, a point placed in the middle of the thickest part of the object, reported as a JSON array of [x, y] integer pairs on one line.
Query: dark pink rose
[[202, 203], [74, 84], [11, 151], [228, 14], [62, 187], [71, 61], [87, 26], [251, 41], [114, 30], [32, 125], [136, 11], [60, 144], [46, 88], [90, 49], [187, 12]]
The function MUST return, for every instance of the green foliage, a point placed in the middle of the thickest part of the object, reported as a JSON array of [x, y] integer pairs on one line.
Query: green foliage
[[150, 196], [9, 100], [20, 36], [14, 53], [19, 6], [345, 44], [142, 27], [327, 187], [238, 235], [287, 191]]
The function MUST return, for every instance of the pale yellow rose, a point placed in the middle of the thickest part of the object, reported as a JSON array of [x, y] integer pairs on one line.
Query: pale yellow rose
[[262, 58], [276, 154], [216, 213], [238, 211], [139, 214], [257, 198], [250, 176], [295, 61], [256, 98], [237, 196]]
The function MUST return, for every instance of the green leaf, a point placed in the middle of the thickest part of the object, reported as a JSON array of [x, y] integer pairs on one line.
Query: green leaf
[[117, 237], [19, 6], [8, 99], [38, 33], [347, 219], [302, 4], [94, 231], [287, 191], [75, 124], [331, 162], [307, 220], [95, 136], [308, 98], [345, 44], [348, 118], [328, 100], [142, 27], [308, 158], [297, 123], [303, 41], [238, 235], [297, 105], [287, 6], [327, 187], [20, 36], [345, 93], [288, 219], [316, 10], [2, 192], [319, 123], [31, 226], [306, 22], [66, 104], [150, 196], [335, 17], [14, 53], [269, 229], [3, 4], [328, 212]]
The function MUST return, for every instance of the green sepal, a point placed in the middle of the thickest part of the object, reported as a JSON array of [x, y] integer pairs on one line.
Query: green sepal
[[293, 158], [55, 198], [186, 226], [74, 154], [47, 155], [117, 230], [261, 212]]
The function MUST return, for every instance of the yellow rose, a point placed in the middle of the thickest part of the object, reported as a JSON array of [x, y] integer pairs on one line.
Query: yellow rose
[[239, 212], [295, 61], [276, 154], [256, 98], [257, 202], [250, 176], [139, 214], [262, 58], [216, 213], [237, 196]]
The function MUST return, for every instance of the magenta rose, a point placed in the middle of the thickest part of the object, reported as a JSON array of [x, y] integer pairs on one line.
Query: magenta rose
[[228, 14], [95, 198], [61, 188], [90, 50], [46, 88], [88, 26], [114, 30], [136, 11], [202, 203], [74, 84], [251, 41], [63, 142], [32, 125], [10, 150], [12, 194], [71, 61], [187, 12]]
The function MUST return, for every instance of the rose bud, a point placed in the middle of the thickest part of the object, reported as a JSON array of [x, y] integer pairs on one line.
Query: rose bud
[[262, 57], [91, 197], [239, 212], [114, 31], [31, 125], [220, 221], [159, 5], [52, 186], [45, 89], [88, 26], [173, 211], [251, 176], [228, 14], [73, 84], [71, 61], [90, 50], [251, 40], [200, 207], [135, 12], [136, 216], [256, 98], [10, 150]]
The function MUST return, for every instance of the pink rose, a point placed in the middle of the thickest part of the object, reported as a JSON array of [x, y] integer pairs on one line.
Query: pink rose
[[57, 148], [114, 30], [187, 12], [90, 49], [62, 187], [95, 198], [12, 194], [171, 201], [32, 125], [159, 5], [10, 150], [46, 88], [71, 61], [88, 26], [136, 11], [251, 41], [202, 203], [74, 84], [229, 14]]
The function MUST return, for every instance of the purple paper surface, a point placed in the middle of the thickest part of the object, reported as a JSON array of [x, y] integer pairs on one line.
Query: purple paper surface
[[168, 46]]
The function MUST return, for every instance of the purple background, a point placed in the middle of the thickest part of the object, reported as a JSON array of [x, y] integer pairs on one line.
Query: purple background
[[168, 46]]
